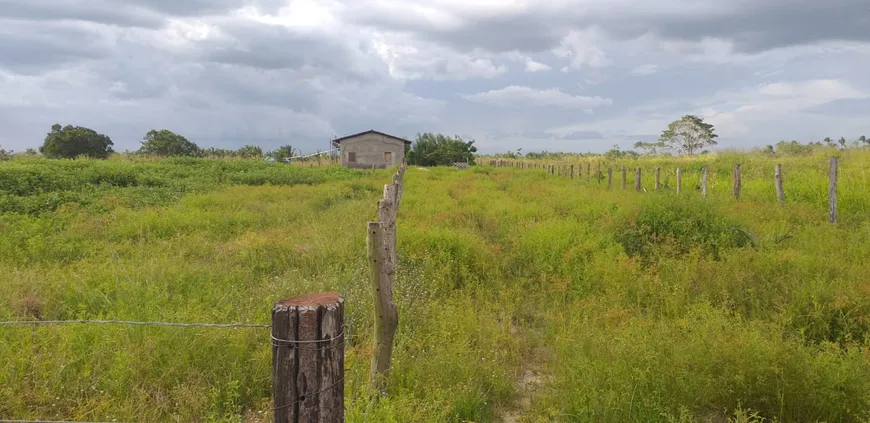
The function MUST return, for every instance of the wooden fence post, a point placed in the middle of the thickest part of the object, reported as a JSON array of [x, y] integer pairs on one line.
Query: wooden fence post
[[737, 181], [780, 193], [658, 178], [679, 180], [637, 180], [572, 172], [704, 182], [308, 359], [598, 177], [588, 172], [624, 177], [387, 212], [609, 177], [386, 314], [832, 191]]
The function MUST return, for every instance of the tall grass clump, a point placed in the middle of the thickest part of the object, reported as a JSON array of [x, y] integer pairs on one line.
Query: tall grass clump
[[677, 225]]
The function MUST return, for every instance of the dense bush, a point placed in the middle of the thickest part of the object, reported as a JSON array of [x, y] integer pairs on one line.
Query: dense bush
[[440, 150], [167, 143], [72, 141], [668, 225]]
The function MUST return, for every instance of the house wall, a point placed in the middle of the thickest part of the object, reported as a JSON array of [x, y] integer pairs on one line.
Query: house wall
[[370, 149]]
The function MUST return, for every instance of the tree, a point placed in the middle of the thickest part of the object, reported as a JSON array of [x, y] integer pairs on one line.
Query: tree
[[167, 143], [439, 150], [864, 139], [829, 141], [842, 142], [5, 155], [250, 151], [649, 147], [73, 141], [688, 135], [283, 153]]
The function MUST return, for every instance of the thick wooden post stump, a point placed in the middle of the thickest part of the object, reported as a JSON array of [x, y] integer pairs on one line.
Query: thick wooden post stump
[[308, 359]]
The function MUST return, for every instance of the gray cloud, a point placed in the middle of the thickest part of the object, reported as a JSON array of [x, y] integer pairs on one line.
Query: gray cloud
[[333, 67], [100, 11], [27, 47]]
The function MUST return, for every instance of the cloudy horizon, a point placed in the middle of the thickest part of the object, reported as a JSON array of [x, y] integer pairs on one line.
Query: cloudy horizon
[[562, 75]]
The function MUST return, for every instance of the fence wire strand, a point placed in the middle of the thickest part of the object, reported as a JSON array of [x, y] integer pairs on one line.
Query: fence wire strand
[[130, 323]]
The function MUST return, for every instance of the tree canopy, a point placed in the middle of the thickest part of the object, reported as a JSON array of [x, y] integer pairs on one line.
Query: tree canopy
[[688, 135], [431, 149], [72, 141], [283, 153], [167, 143]]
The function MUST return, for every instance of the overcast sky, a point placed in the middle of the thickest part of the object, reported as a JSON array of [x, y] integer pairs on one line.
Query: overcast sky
[[533, 74]]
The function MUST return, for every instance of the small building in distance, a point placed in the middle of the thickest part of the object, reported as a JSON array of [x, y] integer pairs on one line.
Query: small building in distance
[[371, 148]]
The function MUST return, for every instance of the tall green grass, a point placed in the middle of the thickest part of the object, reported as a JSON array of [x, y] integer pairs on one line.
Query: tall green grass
[[633, 306]]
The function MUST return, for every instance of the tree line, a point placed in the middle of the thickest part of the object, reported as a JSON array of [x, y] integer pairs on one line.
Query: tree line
[[68, 142]]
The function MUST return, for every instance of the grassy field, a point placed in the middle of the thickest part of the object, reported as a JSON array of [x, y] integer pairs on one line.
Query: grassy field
[[631, 306]]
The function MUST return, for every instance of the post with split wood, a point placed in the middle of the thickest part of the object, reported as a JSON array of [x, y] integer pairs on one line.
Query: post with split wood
[[780, 193], [386, 315], [609, 177], [832, 191], [658, 178], [704, 182], [637, 180], [308, 359], [679, 180], [737, 181]]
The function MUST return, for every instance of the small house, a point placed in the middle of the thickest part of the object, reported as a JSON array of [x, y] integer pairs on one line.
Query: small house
[[371, 149]]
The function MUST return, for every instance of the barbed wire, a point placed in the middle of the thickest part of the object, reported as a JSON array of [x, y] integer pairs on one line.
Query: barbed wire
[[130, 323], [45, 421]]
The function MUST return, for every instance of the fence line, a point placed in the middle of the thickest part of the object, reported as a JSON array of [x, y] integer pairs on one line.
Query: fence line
[[736, 188]]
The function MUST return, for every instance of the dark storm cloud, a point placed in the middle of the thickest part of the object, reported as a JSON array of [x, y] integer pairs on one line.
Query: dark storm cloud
[[755, 26], [272, 47], [751, 26], [32, 48]]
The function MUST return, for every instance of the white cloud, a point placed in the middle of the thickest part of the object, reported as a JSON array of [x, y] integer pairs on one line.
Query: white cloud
[[533, 66], [519, 97]]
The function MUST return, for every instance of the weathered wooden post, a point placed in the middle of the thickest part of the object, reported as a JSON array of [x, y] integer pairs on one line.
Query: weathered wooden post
[[598, 173], [780, 193], [704, 182], [637, 180], [658, 178], [737, 181], [609, 177], [572, 172], [832, 191], [624, 177], [308, 359], [588, 172], [679, 180], [387, 212], [386, 314]]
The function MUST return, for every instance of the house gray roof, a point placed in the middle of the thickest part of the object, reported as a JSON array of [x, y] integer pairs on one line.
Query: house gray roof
[[370, 131]]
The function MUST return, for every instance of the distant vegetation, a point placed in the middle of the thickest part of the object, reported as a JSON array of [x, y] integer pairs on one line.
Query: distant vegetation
[[439, 150]]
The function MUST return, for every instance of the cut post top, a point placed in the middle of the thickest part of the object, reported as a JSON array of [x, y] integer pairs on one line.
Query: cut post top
[[312, 300]]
